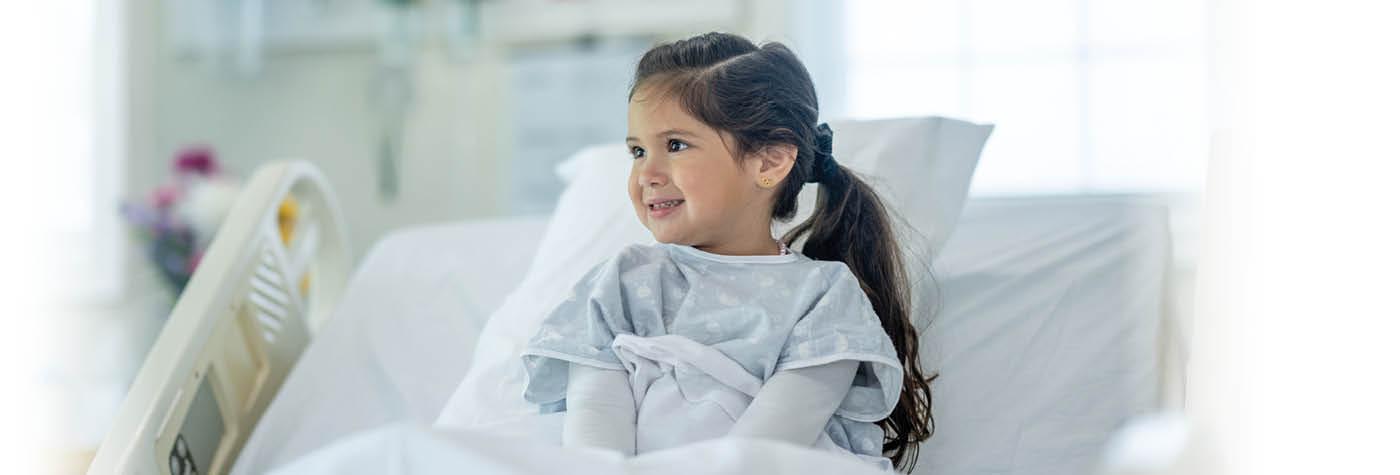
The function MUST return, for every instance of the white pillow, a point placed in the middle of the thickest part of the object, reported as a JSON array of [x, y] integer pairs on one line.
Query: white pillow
[[921, 166]]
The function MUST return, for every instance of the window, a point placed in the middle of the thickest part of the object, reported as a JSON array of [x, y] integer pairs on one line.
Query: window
[[1087, 95], [69, 104]]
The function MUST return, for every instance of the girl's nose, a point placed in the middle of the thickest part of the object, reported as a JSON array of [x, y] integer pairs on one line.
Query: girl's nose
[[653, 173]]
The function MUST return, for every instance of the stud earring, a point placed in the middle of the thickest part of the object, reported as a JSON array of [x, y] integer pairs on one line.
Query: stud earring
[[766, 182]]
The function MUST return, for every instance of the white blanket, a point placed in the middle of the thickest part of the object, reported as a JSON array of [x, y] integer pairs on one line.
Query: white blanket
[[415, 449]]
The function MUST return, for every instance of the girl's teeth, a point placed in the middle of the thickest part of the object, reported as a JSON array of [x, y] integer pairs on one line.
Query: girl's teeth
[[666, 204]]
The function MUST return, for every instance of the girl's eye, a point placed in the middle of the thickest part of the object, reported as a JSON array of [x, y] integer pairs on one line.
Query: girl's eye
[[676, 145], [637, 152]]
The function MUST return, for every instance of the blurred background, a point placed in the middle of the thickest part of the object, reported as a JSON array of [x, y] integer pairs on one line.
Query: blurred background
[[437, 110], [422, 111]]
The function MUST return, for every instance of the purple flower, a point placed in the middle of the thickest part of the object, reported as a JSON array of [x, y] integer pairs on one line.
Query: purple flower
[[139, 215]]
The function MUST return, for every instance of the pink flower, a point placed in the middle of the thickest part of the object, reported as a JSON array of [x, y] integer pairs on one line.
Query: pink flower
[[196, 160], [165, 197]]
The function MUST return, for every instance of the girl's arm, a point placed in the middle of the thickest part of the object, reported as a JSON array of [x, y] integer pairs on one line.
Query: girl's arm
[[600, 411], [795, 405]]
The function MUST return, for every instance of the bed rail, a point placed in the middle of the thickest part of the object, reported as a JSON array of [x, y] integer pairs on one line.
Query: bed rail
[[275, 269]]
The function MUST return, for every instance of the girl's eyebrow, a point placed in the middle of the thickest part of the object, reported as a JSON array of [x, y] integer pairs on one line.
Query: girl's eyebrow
[[667, 132]]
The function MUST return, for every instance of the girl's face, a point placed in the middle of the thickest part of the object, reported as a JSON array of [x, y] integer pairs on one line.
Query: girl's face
[[686, 186]]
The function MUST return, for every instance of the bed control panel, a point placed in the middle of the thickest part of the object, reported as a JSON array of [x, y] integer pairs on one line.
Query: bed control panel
[[200, 436]]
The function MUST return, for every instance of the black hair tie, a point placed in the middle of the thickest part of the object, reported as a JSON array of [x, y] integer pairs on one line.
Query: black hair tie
[[823, 165]]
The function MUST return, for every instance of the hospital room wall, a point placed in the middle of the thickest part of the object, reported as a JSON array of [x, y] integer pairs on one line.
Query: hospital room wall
[[317, 106], [312, 106]]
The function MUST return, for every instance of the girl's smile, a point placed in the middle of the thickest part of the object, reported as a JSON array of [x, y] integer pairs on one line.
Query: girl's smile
[[663, 207]]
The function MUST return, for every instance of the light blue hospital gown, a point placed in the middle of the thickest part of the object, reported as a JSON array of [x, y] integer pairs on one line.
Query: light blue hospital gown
[[698, 334]]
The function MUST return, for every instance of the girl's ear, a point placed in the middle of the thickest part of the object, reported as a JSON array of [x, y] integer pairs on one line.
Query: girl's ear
[[773, 163]]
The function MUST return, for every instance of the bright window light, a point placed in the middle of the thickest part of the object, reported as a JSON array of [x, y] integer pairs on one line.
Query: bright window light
[[1087, 95]]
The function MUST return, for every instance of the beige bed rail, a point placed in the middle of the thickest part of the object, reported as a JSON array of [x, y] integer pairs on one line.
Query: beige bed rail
[[274, 270]]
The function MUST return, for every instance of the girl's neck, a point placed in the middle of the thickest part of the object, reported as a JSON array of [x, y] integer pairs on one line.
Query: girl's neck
[[750, 234], [759, 246]]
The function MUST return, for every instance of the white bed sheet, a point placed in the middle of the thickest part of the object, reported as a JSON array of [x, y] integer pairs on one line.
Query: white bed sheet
[[1046, 342], [1048, 339]]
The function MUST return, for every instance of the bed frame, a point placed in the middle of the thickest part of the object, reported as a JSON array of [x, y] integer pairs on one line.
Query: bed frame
[[248, 312]]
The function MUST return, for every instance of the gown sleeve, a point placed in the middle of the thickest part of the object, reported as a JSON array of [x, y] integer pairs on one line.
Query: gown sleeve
[[602, 412], [795, 406], [842, 325], [579, 330]]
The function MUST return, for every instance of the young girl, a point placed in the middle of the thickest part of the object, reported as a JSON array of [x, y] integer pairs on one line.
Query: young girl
[[720, 329]]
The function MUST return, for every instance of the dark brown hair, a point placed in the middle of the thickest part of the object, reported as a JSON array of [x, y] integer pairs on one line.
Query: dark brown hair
[[763, 96]]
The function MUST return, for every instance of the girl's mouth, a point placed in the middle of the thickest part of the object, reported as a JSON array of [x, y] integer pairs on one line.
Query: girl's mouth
[[664, 208]]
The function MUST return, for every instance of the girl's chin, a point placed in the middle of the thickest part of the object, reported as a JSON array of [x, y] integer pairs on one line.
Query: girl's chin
[[666, 236]]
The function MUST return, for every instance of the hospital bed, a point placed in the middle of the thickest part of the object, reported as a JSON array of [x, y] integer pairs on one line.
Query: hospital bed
[[1048, 337]]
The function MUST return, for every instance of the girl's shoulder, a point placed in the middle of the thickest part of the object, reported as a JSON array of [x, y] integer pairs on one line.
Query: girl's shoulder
[[631, 257], [835, 274], [626, 258]]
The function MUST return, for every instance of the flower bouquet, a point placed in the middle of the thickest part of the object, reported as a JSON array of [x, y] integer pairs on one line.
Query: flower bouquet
[[178, 220]]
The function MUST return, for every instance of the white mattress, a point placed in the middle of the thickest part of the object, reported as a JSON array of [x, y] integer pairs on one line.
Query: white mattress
[[1046, 340]]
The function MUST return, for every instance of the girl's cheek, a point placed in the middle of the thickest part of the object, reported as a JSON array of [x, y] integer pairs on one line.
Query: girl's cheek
[[633, 189]]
